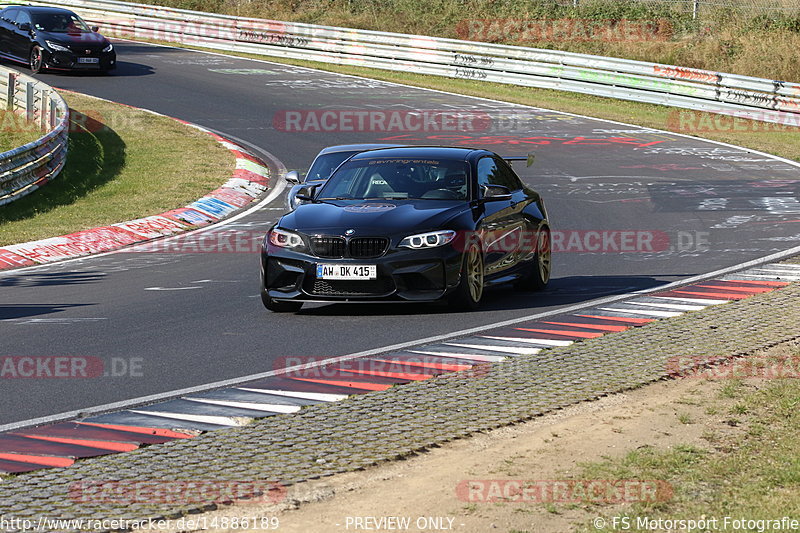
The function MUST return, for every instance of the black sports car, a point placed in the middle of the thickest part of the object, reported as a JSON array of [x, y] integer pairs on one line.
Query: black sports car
[[53, 38], [323, 166], [413, 224]]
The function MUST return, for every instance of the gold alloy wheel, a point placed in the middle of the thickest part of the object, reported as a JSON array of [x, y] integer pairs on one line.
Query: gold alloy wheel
[[475, 273]]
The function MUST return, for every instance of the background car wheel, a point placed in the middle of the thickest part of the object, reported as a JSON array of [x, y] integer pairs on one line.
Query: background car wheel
[[36, 61], [469, 292], [539, 274], [279, 307]]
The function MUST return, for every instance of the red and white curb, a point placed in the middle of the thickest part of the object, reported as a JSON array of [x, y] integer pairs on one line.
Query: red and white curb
[[286, 392], [249, 181]]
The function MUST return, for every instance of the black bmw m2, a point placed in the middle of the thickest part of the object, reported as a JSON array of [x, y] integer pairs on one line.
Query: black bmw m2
[[408, 224]]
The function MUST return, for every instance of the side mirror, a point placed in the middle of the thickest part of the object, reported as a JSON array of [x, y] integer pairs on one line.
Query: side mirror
[[493, 193], [293, 177], [95, 28], [306, 194], [25, 26]]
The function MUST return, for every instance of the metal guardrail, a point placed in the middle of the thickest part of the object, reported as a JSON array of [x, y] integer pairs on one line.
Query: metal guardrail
[[716, 92], [25, 169]]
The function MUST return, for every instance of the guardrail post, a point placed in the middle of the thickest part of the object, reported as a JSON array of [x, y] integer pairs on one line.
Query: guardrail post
[[53, 113], [29, 99], [12, 90], [695, 6], [45, 104]]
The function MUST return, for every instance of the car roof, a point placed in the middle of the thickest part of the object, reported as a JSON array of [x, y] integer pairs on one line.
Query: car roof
[[354, 147], [40, 9], [444, 152]]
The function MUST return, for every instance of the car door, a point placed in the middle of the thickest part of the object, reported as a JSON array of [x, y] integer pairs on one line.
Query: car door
[[7, 27], [502, 222], [21, 39], [521, 201]]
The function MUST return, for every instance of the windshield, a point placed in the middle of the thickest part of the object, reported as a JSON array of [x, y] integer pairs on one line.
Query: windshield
[[325, 164], [393, 178], [59, 23]]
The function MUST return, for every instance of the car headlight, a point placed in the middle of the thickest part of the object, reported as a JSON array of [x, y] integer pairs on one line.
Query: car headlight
[[108, 48], [286, 239], [428, 240], [57, 47]]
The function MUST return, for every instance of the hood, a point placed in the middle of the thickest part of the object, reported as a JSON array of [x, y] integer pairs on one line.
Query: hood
[[74, 40], [372, 217]]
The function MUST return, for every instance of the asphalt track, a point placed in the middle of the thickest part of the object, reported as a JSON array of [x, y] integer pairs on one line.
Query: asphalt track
[[165, 321]]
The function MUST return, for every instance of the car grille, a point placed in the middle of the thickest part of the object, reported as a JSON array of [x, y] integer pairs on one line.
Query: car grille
[[328, 246], [362, 247], [368, 247], [373, 287]]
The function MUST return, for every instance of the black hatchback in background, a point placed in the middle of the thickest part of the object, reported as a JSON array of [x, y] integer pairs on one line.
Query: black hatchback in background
[[53, 38]]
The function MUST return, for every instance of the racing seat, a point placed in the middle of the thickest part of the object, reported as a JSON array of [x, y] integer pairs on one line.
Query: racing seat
[[377, 187]]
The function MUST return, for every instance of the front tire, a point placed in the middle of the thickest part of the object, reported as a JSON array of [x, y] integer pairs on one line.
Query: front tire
[[539, 275], [469, 292], [36, 60]]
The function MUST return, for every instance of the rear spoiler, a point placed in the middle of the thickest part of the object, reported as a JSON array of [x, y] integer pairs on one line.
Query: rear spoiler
[[528, 159]]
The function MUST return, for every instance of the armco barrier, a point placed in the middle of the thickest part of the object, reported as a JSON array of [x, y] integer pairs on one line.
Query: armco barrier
[[743, 96], [25, 169]]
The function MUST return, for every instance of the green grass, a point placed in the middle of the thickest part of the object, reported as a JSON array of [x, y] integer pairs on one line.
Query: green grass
[[15, 131], [754, 474], [122, 164]]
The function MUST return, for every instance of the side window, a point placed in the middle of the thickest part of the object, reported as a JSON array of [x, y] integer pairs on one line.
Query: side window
[[10, 14], [487, 170], [23, 17], [507, 177]]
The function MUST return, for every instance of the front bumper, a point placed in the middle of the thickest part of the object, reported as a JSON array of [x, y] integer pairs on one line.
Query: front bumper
[[72, 61], [402, 275]]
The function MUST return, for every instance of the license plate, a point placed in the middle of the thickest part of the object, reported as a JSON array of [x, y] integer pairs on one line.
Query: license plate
[[347, 272], [88, 60]]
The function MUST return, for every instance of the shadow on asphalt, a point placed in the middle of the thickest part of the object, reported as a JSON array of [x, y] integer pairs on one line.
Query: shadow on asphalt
[[560, 292], [51, 279], [11, 312]]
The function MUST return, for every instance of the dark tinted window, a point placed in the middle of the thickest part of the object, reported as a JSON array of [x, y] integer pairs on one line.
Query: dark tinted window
[[487, 170], [324, 165], [23, 17], [10, 14], [60, 23], [507, 177], [398, 178]]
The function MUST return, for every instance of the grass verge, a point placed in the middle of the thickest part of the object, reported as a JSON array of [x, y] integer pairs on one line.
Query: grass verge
[[122, 164], [752, 473], [15, 131], [783, 141]]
